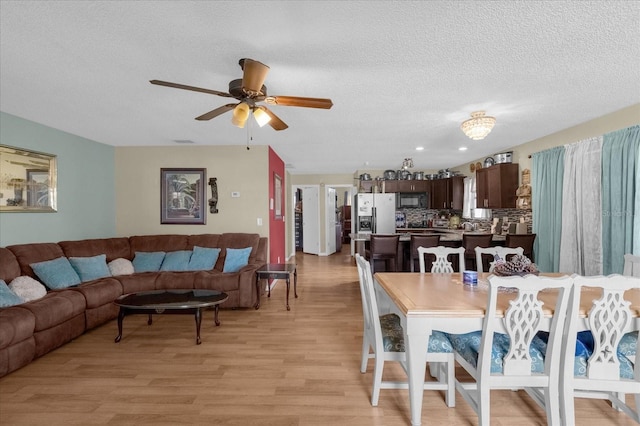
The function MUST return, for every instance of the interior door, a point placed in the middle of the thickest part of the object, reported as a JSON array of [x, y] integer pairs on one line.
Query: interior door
[[330, 215], [311, 219]]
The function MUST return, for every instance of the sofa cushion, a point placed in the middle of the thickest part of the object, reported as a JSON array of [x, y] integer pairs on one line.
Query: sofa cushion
[[57, 273], [113, 248], [16, 325], [121, 266], [148, 261], [176, 260], [9, 266], [169, 242], [28, 288], [203, 258], [56, 308], [33, 253], [90, 268], [204, 240], [100, 292], [8, 297], [237, 240], [236, 259]]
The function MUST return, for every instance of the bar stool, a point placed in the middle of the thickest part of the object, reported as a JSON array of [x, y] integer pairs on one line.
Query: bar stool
[[420, 240], [522, 240], [470, 242], [383, 248]]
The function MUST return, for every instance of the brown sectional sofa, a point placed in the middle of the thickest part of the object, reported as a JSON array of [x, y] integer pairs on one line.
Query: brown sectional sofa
[[32, 329]]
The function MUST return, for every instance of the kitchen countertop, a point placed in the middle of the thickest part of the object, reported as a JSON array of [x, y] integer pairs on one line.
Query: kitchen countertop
[[445, 234]]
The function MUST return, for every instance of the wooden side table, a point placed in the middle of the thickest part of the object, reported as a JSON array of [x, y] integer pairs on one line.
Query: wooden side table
[[277, 271]]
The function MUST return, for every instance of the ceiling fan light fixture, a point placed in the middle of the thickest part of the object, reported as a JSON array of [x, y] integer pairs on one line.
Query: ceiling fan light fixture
[[261, 116], [240, 114], [478, 126]]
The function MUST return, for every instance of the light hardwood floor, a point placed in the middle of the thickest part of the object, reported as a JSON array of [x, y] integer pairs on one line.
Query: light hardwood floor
[[264, 367]]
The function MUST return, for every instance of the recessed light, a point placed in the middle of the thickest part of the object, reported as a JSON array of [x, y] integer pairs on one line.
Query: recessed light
[[419, 148], [462, 148]]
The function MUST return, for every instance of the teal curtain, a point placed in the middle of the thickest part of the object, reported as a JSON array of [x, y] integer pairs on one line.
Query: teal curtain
[[620, 201], [547, 178]]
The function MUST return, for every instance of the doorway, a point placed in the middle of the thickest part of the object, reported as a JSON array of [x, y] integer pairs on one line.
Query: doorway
[[306, 214]]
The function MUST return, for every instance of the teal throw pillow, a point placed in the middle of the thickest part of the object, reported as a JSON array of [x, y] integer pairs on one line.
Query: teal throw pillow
[[236, 259], [57, 273], [176, 260], [91, 268], [148, 261], [203, 258], [7, 297]]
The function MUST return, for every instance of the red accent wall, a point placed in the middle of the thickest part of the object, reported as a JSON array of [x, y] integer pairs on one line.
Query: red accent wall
[[276, 225]]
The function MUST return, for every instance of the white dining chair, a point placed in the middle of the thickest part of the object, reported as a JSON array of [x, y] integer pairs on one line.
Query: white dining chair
[[501, 252], [599, 357], [631, 265], [441, 264], [383, 340], [515, 357]]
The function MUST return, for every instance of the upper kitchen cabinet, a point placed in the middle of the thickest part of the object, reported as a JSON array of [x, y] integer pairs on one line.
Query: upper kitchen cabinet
[[447, 193], [496, 186], [407, 186]]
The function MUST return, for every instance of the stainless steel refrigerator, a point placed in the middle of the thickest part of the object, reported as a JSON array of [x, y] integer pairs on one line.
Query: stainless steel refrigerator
[[375, 213]]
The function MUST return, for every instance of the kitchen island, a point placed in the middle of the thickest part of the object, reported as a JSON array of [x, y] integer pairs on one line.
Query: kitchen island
[[448, 238]]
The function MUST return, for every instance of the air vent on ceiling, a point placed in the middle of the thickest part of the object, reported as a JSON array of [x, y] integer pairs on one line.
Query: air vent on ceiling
[[183, 141]]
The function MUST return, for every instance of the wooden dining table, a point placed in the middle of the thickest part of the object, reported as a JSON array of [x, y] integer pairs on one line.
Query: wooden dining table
[[426, 302]]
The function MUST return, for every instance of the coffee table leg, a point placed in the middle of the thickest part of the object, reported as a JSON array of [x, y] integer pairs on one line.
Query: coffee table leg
[[295, 282], [258, 290], [121, 315], [215, 318], [198, 322], [150, 320]]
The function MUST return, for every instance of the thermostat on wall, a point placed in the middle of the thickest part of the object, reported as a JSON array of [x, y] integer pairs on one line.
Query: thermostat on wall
[[235, 194]]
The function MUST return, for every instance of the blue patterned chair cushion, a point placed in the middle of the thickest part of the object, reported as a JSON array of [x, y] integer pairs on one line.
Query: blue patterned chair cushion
[[393, 336], [468, 345], [584, 349]]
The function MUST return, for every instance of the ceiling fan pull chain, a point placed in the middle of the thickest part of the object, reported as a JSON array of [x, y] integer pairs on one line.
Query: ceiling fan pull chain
[[249, 133]]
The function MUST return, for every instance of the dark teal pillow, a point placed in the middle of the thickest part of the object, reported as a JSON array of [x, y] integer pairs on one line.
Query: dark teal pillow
[[90, 268], [176, 260], [148, 261], [236, 259], [57, 273], [7, 297], [203, 258]]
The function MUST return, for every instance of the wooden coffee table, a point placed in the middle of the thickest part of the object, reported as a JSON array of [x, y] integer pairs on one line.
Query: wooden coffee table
[[170, 302]]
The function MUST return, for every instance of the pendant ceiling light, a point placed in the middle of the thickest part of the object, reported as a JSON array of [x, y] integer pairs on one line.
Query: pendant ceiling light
[[478, 126]]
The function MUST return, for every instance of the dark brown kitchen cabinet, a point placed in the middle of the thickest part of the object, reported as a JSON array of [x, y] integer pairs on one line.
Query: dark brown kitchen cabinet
[[496, 186], [447, 193], [407, 186]]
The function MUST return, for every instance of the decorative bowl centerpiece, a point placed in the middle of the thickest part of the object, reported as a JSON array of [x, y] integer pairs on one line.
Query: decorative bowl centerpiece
[[518, 265]]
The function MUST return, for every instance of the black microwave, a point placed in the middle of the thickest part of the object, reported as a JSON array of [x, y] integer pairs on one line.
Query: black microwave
[[412, 200]]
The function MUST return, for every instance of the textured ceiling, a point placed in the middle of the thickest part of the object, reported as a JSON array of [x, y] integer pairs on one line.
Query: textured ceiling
[[400, 74]]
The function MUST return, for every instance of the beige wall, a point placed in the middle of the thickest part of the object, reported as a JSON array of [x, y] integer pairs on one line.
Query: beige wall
[[137, 174], [608, 123]]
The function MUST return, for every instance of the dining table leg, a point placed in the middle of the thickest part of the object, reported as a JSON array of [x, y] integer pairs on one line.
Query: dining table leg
[[416, 344]]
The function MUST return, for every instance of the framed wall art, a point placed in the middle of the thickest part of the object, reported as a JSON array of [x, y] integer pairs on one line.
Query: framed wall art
[[277, 191], [182, 196]]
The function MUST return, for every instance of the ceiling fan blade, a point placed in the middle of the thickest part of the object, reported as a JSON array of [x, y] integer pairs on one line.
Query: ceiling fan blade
[[185, 87], [253, 77], [216, 112], [275, 122], [299, 102]]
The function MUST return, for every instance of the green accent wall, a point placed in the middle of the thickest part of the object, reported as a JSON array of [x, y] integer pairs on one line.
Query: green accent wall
[[86, 186]]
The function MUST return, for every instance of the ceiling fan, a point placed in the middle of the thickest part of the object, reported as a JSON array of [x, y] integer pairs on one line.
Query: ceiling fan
[[250, 90]]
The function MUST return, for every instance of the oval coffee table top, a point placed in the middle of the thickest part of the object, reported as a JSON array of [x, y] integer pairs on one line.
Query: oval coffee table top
[[171, 299]]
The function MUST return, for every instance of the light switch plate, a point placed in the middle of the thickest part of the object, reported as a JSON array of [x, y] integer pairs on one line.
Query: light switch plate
[[235, 194]]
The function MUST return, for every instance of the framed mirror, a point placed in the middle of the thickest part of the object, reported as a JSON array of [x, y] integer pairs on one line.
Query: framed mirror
[[27, 180]]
